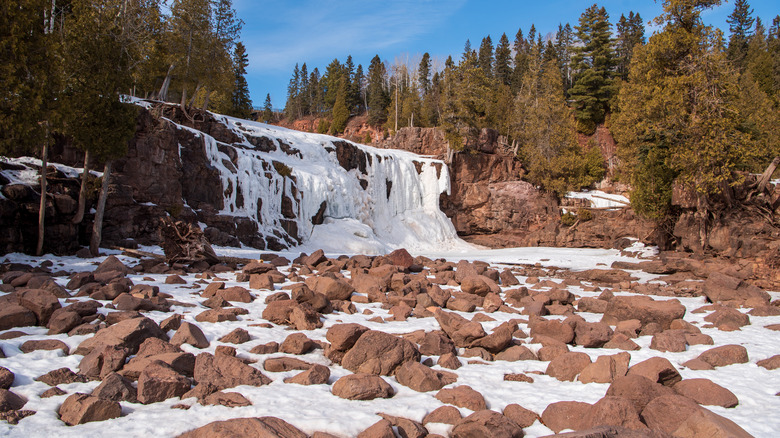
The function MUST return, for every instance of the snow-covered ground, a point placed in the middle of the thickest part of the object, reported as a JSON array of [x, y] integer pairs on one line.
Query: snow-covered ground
[[314, 408], [599, 199]]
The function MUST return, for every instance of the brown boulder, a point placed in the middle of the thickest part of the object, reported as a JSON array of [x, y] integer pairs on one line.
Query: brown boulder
[[333, 289], [315, 375], [380, 429], [722, 287], [257, 267], [400, 258], [443, 414], [101, 362], [436, 343], [224, 372], [297, 343], [644, 309], [237, 336], [670, 340], [704, 423], [657, 369], [520, 415], [379, 353], [475, 284], [771, 363], [488, 424], [640, 390], [592, 334], [462, 396], [362, 386], [263, 427], [63, 322], [567, 366], [83, 408], [422, 378], [613, 411], [127, 334], [228, 399], [111, 264], [565, 415], [14, 315], [706, 392], [462, 331], [159, 381], [235, 293], [498, 340], [603, 370], [6, 378], [725, 355], [190, 334], [553, 329], [281, 364], [515, 353], [116, 388], [41, 302], [61, 376], [10, 401], [727, 317], [44, 344], [668, 412]]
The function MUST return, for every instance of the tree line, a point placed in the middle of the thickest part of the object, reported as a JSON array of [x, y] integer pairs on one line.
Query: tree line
[[686, 105], [69, 66]]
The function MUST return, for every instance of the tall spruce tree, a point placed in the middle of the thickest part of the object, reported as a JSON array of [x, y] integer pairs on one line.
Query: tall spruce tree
[[485, 57], [503, 67], [292, 110], [378, 98], [741, 27], [241, 103], [340, 110], [594, 64], [630, 33], [424, 73], [564, 44], [521, 48], [268, 109]]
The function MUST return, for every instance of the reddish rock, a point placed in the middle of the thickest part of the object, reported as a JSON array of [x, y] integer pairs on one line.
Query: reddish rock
[[566, 415], [13, 315], [640, 390], [83, 408], [304, 317], [111, 264], [257, 267], [488, 424], [725, 355], [592, 334], [263, 427], [190, 334], [297, 343], [621, 342], [644, 309], [670, 340], [315, 375], [462, 396], [657, 369], [159, 381], [61, 376], [333, 289], [567, 366], [182, 363], [722, 287], [436, 343], [498, 340], [449, 361], [10, 401], [727, 317], [553, 329], [400, 258], [668, 412], [379, 353], [235, 293], [41, 302], [603, 370], [6, 378], [462, 331], [103, 361], [228, 399], [155, 346], [406, 427], [593, 305], [706, 392], [443, 414], [361, 386], [63, 322], [515, 353], [520, 415], [280, 364], [116, 388], [475, 284], [613, 411], [771, 363], [704, 423], [52, 392], [127, 334], [422, 378], [237, 336], [380, 429], [226, 372], [518, 377], [269, 348], [217, 315], [44, 344], [697, 364]]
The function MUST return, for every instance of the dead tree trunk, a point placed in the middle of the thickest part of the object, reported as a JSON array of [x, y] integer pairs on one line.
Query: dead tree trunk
[[42, 208], [82, 191], [163, 94], [97, 228], [702, 212], [767, 175]]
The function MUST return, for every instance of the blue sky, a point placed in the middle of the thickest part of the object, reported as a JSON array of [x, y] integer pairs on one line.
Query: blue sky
[[279, 34]]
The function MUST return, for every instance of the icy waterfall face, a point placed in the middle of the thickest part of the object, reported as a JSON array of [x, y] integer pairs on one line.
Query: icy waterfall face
[[327, 193]]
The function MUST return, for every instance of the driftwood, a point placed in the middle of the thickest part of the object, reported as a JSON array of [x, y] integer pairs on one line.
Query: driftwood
[[763, 181], [185, 243]]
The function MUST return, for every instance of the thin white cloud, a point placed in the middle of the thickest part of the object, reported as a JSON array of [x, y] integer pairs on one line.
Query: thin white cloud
[[311, 29]]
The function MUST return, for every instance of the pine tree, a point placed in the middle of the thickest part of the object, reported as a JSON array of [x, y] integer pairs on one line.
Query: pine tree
[[424, 73], [358, 87], [377, 95], [630, 33], [268, 110], [485, 57], [241, 103], [190, 40], [292, 109], [676, 124], [303, 91], [503, 68], [521, 48], [741, 26], [564, 40], [593, 64]]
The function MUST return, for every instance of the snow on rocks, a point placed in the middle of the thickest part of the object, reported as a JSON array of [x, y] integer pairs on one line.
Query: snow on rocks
[[363, 346]]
